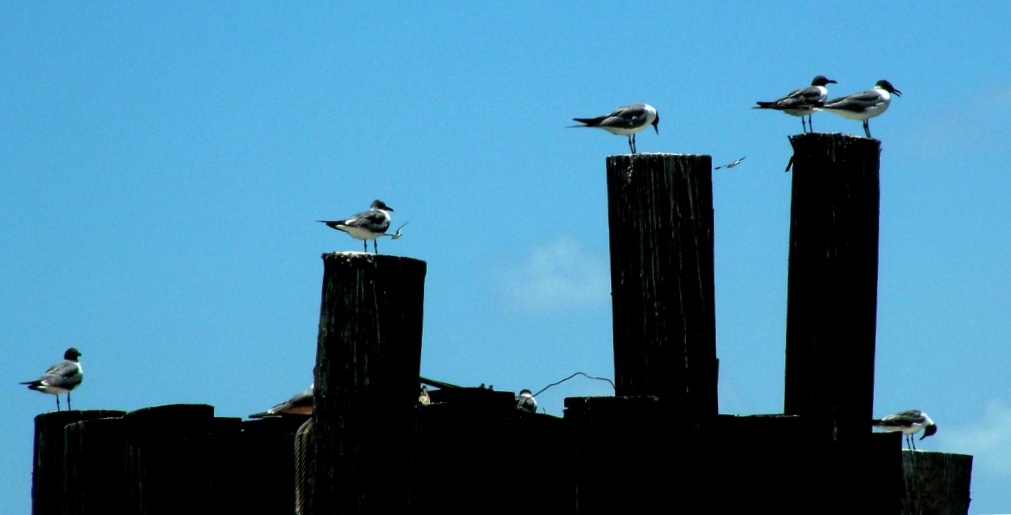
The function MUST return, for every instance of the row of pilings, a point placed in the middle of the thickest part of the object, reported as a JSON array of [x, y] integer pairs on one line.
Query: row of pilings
[[658, 445]]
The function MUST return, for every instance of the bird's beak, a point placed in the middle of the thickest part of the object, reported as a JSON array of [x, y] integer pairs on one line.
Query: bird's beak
[[656, 125], [830, 81]]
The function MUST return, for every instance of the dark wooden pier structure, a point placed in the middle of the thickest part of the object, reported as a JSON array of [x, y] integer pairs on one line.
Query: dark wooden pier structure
[[658, 446]]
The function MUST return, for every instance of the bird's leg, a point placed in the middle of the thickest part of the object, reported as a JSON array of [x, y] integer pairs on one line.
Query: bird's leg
[[912, 442], [57, 402], [631, 143], [803, 122], [374, 246], [867, 128], [366, 243], [810, 123], [69, 408]]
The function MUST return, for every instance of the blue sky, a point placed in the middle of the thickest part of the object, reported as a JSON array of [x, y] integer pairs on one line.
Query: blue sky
[[164, 165]]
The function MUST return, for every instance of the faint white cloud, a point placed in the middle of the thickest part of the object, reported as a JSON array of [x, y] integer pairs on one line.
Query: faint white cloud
[[1002, 97], [561, 274], [987, 440]]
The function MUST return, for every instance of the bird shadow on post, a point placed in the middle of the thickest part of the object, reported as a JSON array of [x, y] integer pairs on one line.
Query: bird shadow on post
[[368, 359]]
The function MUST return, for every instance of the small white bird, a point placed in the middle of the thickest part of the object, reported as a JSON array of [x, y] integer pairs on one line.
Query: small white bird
[[300, 404], [863, 105], [801, 102], [525, 401], [60, 378], [369, 225], [730, 165], [423, 397], [625, 121], [909, 422]]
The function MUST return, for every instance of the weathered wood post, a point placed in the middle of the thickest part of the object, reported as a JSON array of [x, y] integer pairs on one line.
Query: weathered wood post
[[660, 213], [831, 310], [267, 464], [95, 470], [168, 459], [368, 358], [48, 474], [935, 483]]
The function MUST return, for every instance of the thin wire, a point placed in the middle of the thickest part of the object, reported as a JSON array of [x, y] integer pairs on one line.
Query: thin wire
[[574, 375]]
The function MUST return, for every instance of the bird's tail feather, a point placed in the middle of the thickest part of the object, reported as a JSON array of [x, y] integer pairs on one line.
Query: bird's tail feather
[[590, 122]]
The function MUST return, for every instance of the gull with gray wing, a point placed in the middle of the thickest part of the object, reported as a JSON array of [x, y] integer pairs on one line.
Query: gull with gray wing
[[909, 422], [61, 377], [365, 226], [299, 404], [801, 102], [625, 121], [863, 105]]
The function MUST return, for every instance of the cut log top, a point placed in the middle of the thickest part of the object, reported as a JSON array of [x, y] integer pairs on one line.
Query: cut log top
[[352, 257]]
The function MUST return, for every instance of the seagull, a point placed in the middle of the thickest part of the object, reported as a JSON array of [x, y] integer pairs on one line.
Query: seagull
[[625, 120], [801, 102], [525, 401], [864, 105], [909, 422], [369, 225], [300, 404], [730, 165], [60, 378], [424, 398]]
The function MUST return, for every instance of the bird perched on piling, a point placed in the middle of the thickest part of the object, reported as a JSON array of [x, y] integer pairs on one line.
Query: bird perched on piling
[[60, 378], [525, 401], [863, 105], [909, 422], [423, 396], [299, 404], [801, 102], [365, 226], [625, 121]]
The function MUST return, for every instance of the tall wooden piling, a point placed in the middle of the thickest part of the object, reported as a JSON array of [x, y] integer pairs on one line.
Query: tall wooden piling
[[831, 311], [660, 216], [368, 358], [831, 306], [48, 473]]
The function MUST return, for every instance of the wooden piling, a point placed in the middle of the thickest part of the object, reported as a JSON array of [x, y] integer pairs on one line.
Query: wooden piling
[[660, 216], [95, 480], [832, 285], [935, 483], [267, 465], [367, 365], [832, 311], [48, 473], [481, 455], [168, 459]]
